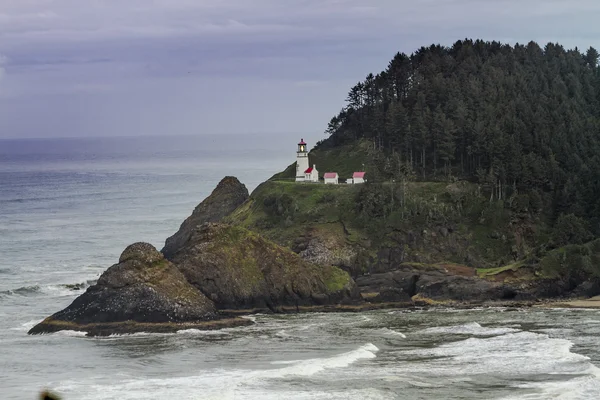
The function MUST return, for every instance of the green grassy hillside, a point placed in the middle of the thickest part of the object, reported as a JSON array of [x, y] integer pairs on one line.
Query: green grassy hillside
[[376, 226]]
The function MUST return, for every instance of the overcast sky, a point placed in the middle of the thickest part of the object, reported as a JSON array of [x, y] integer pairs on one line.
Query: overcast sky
[[165, 67]]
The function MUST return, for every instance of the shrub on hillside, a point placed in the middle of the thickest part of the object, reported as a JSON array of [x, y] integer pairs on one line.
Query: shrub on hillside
[[570, 229], [282, 205]]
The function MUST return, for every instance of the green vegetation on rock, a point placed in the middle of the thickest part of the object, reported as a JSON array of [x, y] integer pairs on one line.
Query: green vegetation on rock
[[572, 261], [335, 279], [426, 222], [237, 268], [489, 272]]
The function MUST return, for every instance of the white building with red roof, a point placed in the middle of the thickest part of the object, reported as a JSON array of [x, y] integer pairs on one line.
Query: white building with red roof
[[358, 177], [311, 174], [331, 178]]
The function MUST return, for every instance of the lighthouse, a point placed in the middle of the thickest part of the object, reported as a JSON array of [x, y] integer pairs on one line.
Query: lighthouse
[[301, 161]]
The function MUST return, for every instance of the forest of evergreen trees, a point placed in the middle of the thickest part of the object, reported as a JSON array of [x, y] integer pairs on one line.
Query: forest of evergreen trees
[[514, 118]]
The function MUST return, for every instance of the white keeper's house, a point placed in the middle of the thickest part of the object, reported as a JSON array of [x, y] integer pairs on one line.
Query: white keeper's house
[[311, 174], [358, 177], [331, 178]]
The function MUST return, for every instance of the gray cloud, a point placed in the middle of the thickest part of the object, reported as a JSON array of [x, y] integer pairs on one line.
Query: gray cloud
[[111, 67]]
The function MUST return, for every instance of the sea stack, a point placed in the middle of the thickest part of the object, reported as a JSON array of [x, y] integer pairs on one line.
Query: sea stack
[[229, 194], [143, 288]]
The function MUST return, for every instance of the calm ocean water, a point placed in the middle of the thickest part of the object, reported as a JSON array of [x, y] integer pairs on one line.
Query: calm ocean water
[[69, 207]]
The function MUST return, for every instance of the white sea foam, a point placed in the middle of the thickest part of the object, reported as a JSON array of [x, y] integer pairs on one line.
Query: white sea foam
[[27, 325], [306, 327], [199, 332], [512, 354], [70, 333], [217, 385], [61, 290], [135, 334], [555, 332], [591, 321], [230, 384], [312, 366], [250, 317], [390, 332], [472, 328], [282, 334], [578, 388]]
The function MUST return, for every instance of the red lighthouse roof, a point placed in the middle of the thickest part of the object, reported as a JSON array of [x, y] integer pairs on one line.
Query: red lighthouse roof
[[302, 142]]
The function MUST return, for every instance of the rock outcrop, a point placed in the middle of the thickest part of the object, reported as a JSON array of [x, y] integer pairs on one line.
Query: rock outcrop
[[435, 282], [143, 288], [214, 271], [238, 269], [326, 247], [229, 194]]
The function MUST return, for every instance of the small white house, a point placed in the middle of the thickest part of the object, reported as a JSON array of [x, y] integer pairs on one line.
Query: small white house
[[358, 177], [349, 181], [311, 174], [331, 178]]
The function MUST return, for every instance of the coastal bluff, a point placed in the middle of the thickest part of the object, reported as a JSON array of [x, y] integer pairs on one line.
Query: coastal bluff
[[214, 273], [292, 247]]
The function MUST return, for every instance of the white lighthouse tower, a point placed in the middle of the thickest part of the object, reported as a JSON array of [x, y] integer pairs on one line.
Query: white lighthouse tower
[[301, 161]]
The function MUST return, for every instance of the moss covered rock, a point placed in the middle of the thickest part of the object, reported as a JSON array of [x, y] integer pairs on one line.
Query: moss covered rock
[[229, 194], [238, 269], [143, 288]]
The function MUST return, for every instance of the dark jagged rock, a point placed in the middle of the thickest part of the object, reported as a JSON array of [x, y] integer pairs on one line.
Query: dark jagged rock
[[229, 194], [142, 288], [433, 282], [238, 269]]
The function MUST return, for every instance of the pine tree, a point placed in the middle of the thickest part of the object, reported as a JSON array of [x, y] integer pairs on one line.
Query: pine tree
[[516, 119]]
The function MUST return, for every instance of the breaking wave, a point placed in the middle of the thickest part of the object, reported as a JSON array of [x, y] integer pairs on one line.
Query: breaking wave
[[312, 366], [70, 333], [65, 289], [22, 291], [199, 332], [229, 384], [26, 326], [472, 328], [391, 332]]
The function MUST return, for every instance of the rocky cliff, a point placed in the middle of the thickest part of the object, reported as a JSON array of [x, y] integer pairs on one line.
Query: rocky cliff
[[238, 269], [213, 271], [143, 288], [499, 248], [229, 194]]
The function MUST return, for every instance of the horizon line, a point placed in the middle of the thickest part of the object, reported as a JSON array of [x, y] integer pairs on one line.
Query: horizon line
[[149, 136]]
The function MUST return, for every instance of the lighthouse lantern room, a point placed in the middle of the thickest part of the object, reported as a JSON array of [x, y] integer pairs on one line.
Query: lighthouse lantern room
[[301, 161]]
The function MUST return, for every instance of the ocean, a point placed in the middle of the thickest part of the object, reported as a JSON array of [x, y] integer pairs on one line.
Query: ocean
[[68, 207]]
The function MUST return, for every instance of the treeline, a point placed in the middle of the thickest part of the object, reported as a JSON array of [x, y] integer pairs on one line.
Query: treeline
[[513, 118]]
